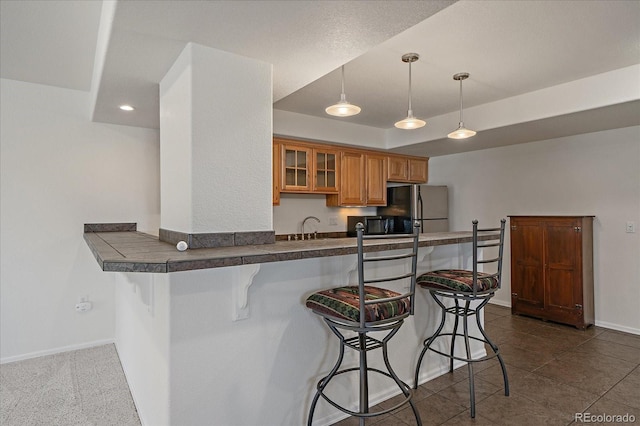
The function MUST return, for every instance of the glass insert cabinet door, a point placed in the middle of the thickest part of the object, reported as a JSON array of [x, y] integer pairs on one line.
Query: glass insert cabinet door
[[296, 168], [326, 171]]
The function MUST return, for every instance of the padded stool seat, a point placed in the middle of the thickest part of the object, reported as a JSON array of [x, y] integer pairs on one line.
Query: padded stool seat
[[344, 303], [458, 280]]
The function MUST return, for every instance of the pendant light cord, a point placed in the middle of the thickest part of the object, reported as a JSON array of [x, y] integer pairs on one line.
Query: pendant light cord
[[461, 101], [410, 111]]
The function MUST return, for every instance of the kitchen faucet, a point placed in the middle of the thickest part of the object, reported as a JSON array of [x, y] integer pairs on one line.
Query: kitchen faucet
[[305, 221]]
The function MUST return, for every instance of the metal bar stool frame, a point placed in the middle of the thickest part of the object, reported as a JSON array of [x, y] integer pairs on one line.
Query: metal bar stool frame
[[363, 343], [467, 311]]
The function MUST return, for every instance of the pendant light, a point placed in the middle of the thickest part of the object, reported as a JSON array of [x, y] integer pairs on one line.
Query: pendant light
[[343, 108], [410, 122], [461, 132]]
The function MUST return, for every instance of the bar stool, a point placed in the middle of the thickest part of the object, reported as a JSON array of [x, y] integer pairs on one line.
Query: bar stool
[[363, 309], [464, 288]]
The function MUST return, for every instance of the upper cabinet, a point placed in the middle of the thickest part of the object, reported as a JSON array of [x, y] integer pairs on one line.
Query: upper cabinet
[[326, 170], [376, 182], [276, 173], [348, 176], [363, 180], [352, 181], [308, 168], [296, 168], [407, 169]]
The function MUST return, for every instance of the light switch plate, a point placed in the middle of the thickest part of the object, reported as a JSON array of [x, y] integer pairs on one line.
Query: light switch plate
[[631, 227]]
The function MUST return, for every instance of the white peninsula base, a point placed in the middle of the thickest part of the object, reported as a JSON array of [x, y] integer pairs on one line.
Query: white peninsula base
[[236, 345]]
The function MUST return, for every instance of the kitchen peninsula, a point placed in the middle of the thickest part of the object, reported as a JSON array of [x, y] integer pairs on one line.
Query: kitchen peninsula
[[205, 332]]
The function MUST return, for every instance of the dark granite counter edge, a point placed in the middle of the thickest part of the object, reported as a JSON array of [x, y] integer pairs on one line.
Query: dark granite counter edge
[[110, 227], [99, 248], [147, 254]]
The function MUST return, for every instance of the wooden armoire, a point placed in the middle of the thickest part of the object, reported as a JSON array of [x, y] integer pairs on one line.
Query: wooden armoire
[[552, 268]]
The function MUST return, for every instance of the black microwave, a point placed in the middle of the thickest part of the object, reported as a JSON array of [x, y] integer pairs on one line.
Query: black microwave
[[373, 225]]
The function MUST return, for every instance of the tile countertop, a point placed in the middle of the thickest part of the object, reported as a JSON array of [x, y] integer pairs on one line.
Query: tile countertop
[[133, 251]]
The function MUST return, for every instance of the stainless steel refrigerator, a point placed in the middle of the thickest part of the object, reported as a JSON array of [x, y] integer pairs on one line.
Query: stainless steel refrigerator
[[432, 206]]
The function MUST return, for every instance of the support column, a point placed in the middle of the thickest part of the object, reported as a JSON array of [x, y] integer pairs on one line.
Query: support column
[[215, 149]]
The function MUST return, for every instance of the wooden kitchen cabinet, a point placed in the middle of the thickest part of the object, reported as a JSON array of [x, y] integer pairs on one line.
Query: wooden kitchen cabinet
[[348, 176], [552, 268], [276, 173], [376, 180], [326, 170], [305, 167], [352, 181], [407, 169], [418, 170], [296, 168], [363, 180]]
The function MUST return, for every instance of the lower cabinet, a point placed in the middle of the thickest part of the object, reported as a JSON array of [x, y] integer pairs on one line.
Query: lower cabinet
[[552, 268]]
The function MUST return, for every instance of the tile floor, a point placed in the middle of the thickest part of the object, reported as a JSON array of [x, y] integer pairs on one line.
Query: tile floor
[[555, 371]]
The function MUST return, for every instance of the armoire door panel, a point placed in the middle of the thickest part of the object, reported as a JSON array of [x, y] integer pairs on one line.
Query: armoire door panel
[[560, 290], [562, 245], [527, 286]]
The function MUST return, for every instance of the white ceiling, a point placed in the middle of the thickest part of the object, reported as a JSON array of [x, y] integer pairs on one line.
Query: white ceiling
[[49, 42], [510, 48]]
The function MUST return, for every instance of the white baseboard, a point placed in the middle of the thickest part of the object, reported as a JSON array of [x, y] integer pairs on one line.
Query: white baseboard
[[54, 351], [500, 303], [618, 327], [603, 324]]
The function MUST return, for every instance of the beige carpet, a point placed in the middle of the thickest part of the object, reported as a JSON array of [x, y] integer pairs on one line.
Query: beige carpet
[[84, 387]]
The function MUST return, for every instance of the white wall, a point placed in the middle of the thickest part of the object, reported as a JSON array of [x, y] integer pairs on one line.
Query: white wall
[[294, 208], [591, 174], [339, 131], [59, 171]]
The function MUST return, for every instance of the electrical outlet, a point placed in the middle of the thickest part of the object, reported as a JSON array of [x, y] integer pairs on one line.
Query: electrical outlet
[[83, 304], [333, 221], [631, 227]]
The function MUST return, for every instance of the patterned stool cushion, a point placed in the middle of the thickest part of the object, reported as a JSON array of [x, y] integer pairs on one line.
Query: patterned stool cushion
[[344, 303], [456, 280]]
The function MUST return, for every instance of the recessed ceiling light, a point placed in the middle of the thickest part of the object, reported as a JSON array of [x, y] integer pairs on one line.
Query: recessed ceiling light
[[126, 107]]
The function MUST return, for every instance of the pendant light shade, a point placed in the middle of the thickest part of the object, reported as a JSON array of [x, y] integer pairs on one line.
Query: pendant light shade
[[343, 108], [461, 132], [410, 122]]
